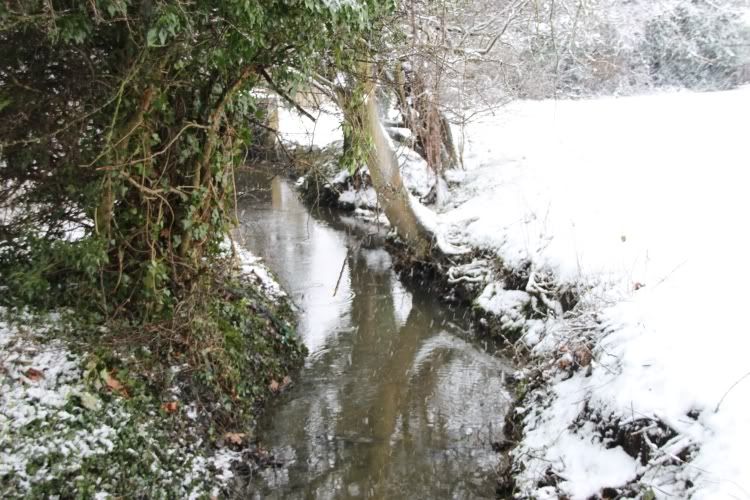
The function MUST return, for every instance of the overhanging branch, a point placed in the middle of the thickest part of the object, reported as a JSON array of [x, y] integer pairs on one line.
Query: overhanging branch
[[283, 94]]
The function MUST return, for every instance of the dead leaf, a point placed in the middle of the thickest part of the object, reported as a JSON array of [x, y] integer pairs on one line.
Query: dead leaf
[[583, 356], [276, 386], [114, 384], [34, 374], [565, 361], [169, 406], [234, 437]]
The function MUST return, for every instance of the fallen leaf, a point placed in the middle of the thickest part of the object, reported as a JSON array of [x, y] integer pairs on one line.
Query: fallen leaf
[[583, 356], [114, 384], [34, 374], [169, 406], [565, 361], [234, 437]]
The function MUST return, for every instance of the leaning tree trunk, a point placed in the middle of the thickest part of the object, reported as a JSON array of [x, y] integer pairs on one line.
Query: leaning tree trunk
[[392, 194]]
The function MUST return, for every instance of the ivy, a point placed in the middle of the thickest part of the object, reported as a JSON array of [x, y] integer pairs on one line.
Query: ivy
[[156, 97], [124, 120]]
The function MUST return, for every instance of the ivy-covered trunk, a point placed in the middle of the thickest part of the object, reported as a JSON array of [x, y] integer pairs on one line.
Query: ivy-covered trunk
[[121, 124], [125, 121]]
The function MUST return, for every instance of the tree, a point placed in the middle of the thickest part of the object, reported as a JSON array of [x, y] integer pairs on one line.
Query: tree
[[124, 120]]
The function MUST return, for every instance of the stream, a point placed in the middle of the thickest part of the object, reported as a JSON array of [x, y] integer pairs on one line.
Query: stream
[[397, 398]]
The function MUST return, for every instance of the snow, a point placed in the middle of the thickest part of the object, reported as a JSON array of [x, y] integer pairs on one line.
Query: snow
[[363, 198], [638, 203], [253, 267], [590, 465], [52, 425], [297, 129], [508, 305], [415, 172], [36, 382]]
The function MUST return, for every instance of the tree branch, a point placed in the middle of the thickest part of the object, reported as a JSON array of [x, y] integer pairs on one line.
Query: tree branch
[[283, 94]]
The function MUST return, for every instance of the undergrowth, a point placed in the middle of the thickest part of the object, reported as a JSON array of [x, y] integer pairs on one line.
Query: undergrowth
[[170, 388]]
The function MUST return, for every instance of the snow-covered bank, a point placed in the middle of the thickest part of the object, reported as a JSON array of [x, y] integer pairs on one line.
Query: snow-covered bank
[[81, 417], [612, 245], [59, 434], [638, 205]]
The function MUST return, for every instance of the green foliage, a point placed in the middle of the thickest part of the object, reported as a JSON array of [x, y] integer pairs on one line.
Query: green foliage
[[127, 119], [357, 144], [649, 495], [248, 342], [222, 366], [47, 274]]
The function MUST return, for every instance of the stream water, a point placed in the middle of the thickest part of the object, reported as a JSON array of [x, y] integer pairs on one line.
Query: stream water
[[396, 399]]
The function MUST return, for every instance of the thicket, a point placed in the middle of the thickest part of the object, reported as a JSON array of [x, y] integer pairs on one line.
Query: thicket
[[578, 48], [121, 124]]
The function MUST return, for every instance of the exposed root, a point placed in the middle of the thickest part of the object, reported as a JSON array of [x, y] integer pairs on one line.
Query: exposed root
[[477, 271]]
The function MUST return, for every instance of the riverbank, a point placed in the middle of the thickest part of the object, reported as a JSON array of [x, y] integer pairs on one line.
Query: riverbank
[[622, 215], [105, 414], [602, 237]]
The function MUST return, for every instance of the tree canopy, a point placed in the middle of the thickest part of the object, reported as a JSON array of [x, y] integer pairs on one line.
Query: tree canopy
[[121, 122]]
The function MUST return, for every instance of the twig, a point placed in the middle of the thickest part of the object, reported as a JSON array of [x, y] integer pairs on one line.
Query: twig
[[341, 273], [283, 94], [716, 410]]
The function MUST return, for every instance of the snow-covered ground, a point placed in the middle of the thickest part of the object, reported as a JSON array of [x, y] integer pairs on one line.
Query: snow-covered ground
[[58, 432], [66, 422], [638, 203], [301, 131]]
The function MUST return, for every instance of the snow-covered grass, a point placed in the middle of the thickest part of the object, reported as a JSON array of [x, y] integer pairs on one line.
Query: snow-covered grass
[[60, 434], [88, 410], [638, 204], [70, 425]]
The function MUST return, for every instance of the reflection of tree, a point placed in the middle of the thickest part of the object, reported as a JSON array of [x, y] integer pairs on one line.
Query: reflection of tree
[[348, 420], [387, 369], [272, 233]]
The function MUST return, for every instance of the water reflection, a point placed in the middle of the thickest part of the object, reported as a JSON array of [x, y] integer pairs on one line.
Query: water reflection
[[393, 401]]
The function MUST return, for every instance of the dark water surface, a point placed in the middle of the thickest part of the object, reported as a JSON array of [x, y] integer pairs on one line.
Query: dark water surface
[[395, 399]]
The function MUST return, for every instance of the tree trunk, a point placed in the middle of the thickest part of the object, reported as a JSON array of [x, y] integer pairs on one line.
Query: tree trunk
[[392, 194], [449, 147]]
